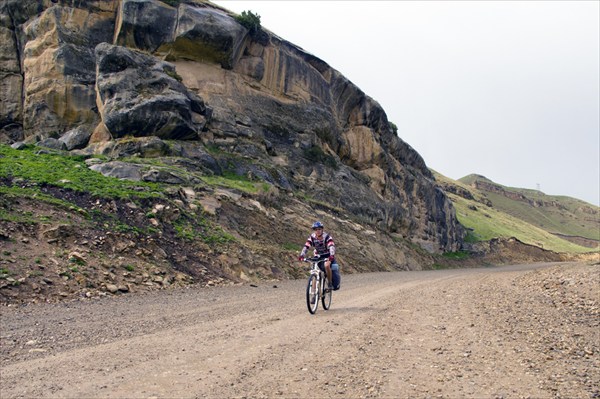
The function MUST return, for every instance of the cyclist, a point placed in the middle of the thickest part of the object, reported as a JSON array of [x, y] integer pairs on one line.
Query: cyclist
[[324, 249]]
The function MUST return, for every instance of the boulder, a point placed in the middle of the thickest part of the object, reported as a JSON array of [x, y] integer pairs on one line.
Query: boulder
[[120, 170], [76, 138], [162, 176], [139, 95], [143, 147], [52, 143]]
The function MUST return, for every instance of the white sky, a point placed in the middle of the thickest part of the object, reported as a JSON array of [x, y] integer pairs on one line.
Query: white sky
[[505, 89]]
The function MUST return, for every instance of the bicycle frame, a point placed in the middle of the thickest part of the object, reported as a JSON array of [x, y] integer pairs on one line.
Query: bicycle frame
[[315, 269]]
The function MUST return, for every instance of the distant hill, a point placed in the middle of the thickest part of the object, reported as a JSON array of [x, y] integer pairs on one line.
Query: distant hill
[[490, 210]]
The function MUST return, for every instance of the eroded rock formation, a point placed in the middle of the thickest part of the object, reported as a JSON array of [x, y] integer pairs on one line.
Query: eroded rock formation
[[91, 73]]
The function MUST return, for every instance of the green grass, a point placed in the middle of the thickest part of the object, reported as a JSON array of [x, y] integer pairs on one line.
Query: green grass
[[69, 172], [562, 219], [555, 214], [487, 223], [190, 228], [30, 171], [511, 218], [458, 255], [289, 246], [234, 181], [218, 236]]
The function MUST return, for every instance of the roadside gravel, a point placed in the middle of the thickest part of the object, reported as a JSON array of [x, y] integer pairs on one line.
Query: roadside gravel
[[503, 332]]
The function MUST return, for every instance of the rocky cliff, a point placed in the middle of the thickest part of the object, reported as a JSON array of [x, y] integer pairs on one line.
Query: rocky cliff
[[183, 80]]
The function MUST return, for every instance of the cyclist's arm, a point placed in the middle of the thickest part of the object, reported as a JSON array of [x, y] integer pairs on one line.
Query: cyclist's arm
[[306, 247], [331, 246]]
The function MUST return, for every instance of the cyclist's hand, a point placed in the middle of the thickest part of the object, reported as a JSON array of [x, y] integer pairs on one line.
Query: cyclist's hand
[[300, 258]]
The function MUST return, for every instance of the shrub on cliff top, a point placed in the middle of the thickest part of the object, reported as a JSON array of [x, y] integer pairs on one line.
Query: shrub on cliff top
[[249, 20]]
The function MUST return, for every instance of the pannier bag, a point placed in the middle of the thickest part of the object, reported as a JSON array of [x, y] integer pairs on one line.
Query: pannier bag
[[335, 274]]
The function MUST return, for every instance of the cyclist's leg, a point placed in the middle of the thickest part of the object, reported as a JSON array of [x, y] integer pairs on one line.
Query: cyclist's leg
[[329, 273], [314, 282], [324, 270]]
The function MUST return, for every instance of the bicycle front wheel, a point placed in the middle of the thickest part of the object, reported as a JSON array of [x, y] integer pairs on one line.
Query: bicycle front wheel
[[326, 297], [312, 294]]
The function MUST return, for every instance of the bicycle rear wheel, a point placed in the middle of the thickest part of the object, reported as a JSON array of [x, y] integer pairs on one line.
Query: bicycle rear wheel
[[312, 294], [326, 297]]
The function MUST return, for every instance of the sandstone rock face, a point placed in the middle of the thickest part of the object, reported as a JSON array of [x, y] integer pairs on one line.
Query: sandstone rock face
[[11, 79], [145, 24], [144, 68], [205, 35], [59, 68]]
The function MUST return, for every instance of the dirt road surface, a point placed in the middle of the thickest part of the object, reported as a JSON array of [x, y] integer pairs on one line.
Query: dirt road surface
[[523, 331]]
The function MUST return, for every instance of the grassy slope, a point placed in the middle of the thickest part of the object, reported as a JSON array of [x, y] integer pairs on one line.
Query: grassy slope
[[570, 220], [35, 169], [490, 222]]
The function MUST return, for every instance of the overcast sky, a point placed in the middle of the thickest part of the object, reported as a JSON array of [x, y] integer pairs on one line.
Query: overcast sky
[[505, 89]]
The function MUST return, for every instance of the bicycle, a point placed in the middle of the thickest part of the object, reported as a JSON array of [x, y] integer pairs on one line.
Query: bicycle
[[317, 287]]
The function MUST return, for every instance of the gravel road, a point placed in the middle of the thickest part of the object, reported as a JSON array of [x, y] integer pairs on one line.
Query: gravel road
[[498, 332]]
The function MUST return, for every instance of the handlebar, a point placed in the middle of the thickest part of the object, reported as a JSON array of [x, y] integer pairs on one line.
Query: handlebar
[[311, 260]]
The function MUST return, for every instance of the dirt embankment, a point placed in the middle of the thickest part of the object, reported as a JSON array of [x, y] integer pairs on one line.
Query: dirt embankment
[[515, 331]]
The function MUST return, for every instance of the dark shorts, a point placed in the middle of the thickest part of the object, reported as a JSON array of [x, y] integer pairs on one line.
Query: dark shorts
[[334, 265]]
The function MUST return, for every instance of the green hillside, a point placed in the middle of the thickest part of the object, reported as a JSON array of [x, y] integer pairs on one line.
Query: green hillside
[[489, 210], [555, 214]]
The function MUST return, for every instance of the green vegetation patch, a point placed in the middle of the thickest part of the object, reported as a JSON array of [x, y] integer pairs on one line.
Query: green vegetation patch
[[71, 172], [235, 181], [486, 223], [564, 217], [290, 246], [517, 218], [555, 214], [199, 228], [249, 20], [458, 255]]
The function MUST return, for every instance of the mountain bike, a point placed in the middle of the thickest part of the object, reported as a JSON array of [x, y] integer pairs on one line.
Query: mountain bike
[[317, 287]]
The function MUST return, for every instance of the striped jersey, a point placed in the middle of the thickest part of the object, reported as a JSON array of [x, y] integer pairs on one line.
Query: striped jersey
[[323, 246]]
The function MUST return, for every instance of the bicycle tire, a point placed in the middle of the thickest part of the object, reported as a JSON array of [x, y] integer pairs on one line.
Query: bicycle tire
[[314, 294], [326, 297]]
